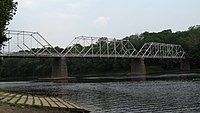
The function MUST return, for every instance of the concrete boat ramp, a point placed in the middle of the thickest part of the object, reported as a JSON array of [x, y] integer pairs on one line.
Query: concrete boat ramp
[[39, 101]]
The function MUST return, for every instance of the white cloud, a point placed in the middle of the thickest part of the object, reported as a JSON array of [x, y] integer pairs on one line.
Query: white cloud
[[101, 21], [79, 4], [61, 16], [28, 3], [73, 5]]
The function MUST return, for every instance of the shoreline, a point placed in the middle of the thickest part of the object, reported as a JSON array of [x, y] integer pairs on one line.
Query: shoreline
[[23, 103], [112, 76], [7, 108]]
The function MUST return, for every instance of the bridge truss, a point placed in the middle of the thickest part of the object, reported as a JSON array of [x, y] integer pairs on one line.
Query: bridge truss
[[26, 44], [32, 44], [84, 46], [161, 50]]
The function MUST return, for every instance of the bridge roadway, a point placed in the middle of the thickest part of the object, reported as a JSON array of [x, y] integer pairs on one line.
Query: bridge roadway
[[26, 44]]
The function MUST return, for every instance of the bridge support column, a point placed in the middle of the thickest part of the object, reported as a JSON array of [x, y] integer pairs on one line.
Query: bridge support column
[[59, 68], [185, 65], [138, 67]]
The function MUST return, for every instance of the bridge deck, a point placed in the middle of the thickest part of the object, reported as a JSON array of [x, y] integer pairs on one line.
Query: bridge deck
[[84, 56]]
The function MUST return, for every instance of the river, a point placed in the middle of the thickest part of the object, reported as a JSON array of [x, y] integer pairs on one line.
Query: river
[[120, 97]]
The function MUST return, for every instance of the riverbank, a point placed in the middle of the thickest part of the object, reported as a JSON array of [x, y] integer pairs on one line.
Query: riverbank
[[6, 108], [21, 103]]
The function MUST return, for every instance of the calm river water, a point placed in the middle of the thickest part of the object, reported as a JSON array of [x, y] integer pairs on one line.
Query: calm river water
[[120, 97]]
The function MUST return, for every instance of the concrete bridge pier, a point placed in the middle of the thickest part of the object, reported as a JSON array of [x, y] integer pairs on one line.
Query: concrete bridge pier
[[185, 65], [59, 68], [138, 67]]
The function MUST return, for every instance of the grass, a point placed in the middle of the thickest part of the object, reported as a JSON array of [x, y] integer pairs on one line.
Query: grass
[[33, 100], [3, 90]]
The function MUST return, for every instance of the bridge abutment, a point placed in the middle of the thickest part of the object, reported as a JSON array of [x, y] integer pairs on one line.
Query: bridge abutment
[[185, 65], [59, 68], [138, 67]]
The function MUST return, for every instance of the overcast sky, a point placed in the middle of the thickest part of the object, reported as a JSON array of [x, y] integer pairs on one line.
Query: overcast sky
[[59, 21]]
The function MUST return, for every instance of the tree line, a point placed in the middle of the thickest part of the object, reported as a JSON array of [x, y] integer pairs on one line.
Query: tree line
[[34, 68]]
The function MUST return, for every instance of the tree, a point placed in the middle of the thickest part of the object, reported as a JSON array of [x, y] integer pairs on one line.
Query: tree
[[7, 11]]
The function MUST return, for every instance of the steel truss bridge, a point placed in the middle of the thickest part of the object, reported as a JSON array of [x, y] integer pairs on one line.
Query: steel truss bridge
[[28, 44]]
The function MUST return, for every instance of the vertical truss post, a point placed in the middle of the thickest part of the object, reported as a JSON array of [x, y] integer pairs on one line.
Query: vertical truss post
[[115, 50], [92, 46], [107, 48]]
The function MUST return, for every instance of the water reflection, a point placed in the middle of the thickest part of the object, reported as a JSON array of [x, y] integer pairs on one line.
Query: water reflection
[[118, 97]]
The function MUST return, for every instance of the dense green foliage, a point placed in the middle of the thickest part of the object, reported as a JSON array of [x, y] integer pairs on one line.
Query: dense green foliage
[[190, 40], [7, 11]]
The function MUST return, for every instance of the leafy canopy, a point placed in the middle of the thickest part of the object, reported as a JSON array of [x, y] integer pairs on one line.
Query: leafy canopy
[[7, 11]]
